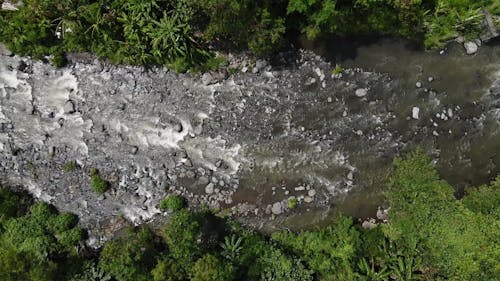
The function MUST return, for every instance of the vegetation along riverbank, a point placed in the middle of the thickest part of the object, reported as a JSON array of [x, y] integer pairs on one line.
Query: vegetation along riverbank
[[182, 34], [430, 235]]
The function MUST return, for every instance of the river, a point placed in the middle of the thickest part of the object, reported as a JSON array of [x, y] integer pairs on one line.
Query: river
[[247, 143]]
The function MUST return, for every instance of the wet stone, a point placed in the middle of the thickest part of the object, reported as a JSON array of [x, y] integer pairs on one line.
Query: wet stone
[[209, 189], [203, 180], [277, 208], [308, 199], [190, 174], [361, 92]]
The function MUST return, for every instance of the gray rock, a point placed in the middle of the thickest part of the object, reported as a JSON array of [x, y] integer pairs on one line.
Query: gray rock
[[178, 128], [209, 189], [311, 193], [470, 47], [368, 224], [418, 84], [260, 64], [308, 199], [382, 214], [190, 174], [69, 107], [203, 180], [415, 112], [7, 6], [277, 208], [350, 175], [361, 92], [4, 51], [207, 79]]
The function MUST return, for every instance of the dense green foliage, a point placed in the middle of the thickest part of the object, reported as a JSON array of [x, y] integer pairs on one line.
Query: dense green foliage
[[131, 258], [430, 236], [179, 33], [172, 203], [38, 245], [97, 183]]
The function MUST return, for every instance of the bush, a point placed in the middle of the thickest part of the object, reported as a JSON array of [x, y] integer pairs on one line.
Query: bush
[[98, 184], [426, 218], [211, 268], [131, 258], [173, 202], [292, 203], [40, 245], [70, 166]]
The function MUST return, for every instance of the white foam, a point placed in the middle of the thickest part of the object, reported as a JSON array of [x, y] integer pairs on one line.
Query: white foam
[[207, 151]]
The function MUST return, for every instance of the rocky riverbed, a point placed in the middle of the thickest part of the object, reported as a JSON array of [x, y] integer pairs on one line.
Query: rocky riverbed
[[245, 143]]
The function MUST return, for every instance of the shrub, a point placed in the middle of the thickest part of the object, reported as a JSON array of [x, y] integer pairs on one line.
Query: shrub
[[292, 203], [211, 268], [131, 258], [97, 183], [70, 166], [173, 202]]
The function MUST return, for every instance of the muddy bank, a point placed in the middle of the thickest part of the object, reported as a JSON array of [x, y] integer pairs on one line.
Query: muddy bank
[[245, 143]]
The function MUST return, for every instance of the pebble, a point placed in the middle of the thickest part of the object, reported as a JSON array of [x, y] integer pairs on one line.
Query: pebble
[[470, 47], [430, 79], [209, 189], [350, 175], [368, 225], [361, 92], [4, 51], [329, 99], [190, 174], [308, 199], [415, 112], [311, 192], [300, 188], [203, 180], [69, 107], [277, 209], [418, 84], [268, 210], [178, 127]]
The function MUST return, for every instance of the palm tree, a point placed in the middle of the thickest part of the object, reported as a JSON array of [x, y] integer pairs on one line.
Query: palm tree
[[231, 247]]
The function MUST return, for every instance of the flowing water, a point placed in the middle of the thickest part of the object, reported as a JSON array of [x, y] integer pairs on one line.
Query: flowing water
[[458, 103], [249, 142]]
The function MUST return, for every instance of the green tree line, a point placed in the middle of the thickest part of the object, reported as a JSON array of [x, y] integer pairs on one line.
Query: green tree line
[[181, 33], [430, 235]]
